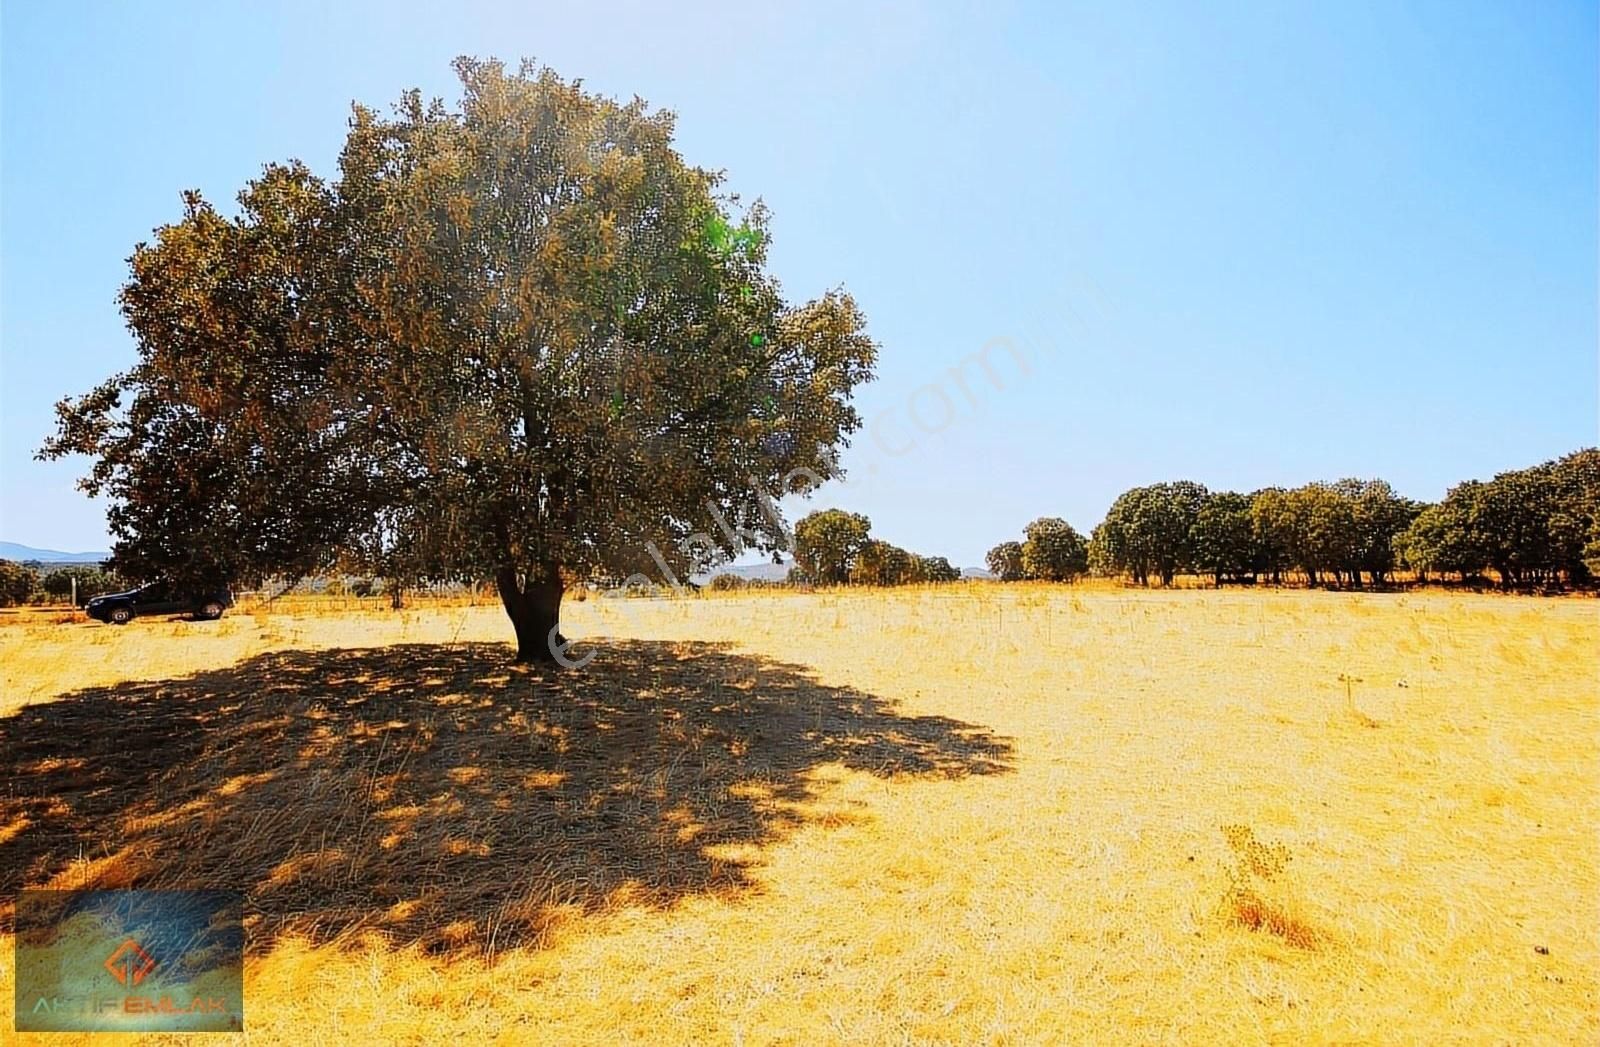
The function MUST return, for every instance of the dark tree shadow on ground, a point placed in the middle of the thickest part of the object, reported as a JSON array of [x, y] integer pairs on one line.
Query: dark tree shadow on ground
[[437, 795]]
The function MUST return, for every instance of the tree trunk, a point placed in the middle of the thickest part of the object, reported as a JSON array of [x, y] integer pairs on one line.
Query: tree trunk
[[533, 603]]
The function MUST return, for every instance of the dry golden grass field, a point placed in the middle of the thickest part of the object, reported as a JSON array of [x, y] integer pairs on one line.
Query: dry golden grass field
[[977, 814]]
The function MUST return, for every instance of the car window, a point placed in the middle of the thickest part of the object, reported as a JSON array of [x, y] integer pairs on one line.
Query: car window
[[154, 592]]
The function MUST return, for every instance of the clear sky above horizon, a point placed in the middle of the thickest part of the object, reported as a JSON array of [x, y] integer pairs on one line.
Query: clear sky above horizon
[[1264, 244]]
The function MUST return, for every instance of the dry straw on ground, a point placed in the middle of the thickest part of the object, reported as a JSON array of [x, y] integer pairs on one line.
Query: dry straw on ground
[[976, 814]]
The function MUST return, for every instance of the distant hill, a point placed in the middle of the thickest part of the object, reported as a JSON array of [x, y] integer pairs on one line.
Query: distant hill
[[13, 551], [777, 572], [766, 572]]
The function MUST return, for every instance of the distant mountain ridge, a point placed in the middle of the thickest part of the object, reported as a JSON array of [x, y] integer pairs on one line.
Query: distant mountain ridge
[[765, 572], [14, 551], [778, 572]]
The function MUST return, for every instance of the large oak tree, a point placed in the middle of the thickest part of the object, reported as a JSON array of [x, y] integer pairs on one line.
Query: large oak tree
[[517, 338]]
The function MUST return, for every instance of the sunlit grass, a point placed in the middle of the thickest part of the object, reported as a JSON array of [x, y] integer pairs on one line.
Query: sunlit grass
[[1226, 817]]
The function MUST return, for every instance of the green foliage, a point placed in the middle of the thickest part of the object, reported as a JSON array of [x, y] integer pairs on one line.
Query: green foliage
[[1380, 516], [1591, 551], [724, 583], [1532, 527], [1332, 530], [833, 547], [1148, 531], [1439, 539], [880, 563], [17, 583], [1223, 537], [828, 545], [934, 570], [1273, 530], [1052, 551], [1102, 561], [1005, 561], [520, 338], [1324, 528], [92, 581]]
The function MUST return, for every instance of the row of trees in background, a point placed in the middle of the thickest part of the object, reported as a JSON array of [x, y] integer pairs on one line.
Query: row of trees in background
[[1532, 527], [833, 547], [1337, 532], [36, 582], [31, 582], [1535, 527]]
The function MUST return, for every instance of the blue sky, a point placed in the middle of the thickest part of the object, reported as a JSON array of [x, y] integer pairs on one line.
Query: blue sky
[[1263, 243]]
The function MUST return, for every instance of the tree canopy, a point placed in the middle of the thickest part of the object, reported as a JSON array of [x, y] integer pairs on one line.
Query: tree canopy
[[1533, 526], [1223, 538], [1335, 530], [828, 545], [518, 338], [18, 583], [1052, 551], [91, 581], [834, 547], [1005, 561], [1148, 530]]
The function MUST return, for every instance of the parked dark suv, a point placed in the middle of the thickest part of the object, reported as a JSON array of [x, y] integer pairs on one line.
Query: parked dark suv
[[158, 598]]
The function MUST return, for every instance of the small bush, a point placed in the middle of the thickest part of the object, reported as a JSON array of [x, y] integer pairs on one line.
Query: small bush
[[1256, 865]]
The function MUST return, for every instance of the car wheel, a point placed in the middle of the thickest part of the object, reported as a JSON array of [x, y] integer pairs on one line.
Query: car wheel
[[211, 611], [120, 616]]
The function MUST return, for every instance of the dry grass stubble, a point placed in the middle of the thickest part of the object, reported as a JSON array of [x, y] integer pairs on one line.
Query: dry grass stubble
[[975, 814]]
